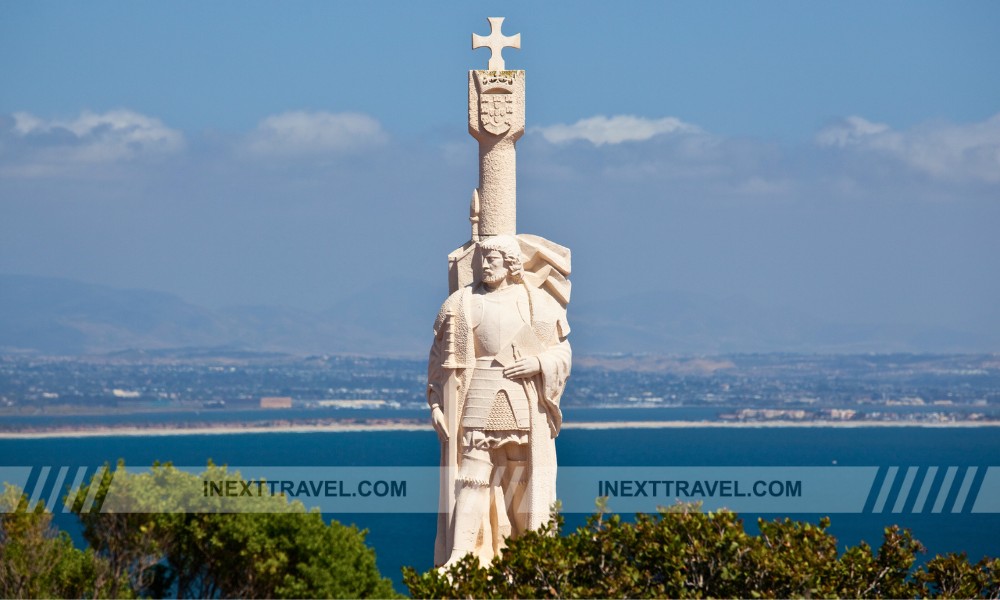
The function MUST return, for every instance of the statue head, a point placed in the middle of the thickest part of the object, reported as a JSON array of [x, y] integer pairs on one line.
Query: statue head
[[500, 258]]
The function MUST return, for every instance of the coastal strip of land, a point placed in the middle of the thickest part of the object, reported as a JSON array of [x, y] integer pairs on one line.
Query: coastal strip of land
[[235, 429]]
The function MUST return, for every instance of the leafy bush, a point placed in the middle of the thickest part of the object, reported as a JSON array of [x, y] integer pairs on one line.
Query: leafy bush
[[684, 553], [150, 536], [37, 561], [158, 534]]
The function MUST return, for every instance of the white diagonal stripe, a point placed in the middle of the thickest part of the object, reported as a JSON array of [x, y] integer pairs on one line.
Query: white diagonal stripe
[[95, 484], [904, 491], [43, 476], [56, 488], [925, 489], [963, 492], [74, 489], [949, 477], [883, 494]]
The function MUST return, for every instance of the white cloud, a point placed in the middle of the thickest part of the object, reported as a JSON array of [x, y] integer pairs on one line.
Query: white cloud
[[35, 147], [299, 133], [942, 150], [102, 137], [601, 130]]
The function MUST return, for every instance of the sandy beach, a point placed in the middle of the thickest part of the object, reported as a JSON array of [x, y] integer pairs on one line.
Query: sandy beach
[[390, 426]]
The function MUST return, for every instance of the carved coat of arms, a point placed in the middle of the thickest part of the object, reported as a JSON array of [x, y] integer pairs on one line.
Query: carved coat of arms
[[495, 111]]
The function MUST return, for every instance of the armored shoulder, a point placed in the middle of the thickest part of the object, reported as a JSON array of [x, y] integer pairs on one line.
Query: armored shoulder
[[451, 306]]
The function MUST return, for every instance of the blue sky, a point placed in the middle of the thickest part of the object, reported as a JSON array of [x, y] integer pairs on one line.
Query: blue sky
[[840, 159]]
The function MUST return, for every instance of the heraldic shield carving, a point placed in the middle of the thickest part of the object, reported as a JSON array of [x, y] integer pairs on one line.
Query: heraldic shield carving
[[495, 111]]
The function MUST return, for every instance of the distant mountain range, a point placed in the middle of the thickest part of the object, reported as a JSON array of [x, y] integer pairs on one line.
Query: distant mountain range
[[65, 317], [60, 316]]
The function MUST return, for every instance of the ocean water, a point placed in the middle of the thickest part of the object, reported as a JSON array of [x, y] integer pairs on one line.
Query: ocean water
[[407, 539]]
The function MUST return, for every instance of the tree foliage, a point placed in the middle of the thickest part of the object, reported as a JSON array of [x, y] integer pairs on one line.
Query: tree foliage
[[682, 552], [157, 534], [165, 536], [37, 561]]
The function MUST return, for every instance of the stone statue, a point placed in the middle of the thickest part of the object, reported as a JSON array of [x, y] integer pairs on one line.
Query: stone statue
[[510, 340], [500, 357]]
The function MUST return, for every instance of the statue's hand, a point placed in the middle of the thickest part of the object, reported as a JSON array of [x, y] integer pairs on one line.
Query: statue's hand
[[526, 367], [437, 419]]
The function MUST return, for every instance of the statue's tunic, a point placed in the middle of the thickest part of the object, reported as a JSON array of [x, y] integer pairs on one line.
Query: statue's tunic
[[476, 336]]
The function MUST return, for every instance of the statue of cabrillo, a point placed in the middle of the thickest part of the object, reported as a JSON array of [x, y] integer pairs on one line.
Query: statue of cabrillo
[[500, 357]]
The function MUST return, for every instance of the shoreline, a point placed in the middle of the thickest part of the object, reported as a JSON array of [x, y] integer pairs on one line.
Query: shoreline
[[375, 427]]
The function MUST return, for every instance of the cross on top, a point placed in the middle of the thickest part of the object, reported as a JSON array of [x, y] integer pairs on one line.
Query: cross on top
[[496, 42]]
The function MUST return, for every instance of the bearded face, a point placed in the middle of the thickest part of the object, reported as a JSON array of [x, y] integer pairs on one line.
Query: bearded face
[[494, 269]]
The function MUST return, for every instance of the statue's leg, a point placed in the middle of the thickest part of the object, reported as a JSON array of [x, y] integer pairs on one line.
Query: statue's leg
[[515, 481], [472, 502], [499, 518], [471, 505]]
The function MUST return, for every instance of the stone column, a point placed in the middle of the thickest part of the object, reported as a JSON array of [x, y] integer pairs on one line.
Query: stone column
[[496, 120]]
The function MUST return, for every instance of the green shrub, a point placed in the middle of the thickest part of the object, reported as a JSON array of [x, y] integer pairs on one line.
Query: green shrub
[[682, 552]]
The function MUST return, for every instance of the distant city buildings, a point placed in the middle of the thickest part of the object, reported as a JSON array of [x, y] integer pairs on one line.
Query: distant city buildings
[[747, 388]]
